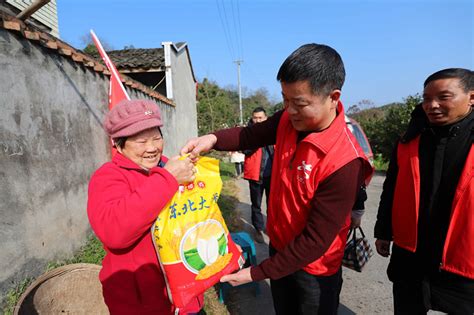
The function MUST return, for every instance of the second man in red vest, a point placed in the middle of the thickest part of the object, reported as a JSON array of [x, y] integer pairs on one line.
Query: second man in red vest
[[258, 171]]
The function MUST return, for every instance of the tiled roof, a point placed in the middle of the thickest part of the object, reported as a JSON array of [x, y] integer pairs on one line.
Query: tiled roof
[[143, 58], [140, 58], [37, 36]]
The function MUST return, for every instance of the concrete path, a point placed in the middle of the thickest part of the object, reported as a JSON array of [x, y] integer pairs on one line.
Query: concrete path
[[368, 292], [244, 300]]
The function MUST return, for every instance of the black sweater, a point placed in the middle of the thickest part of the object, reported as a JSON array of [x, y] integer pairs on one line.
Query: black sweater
[[442, 154]]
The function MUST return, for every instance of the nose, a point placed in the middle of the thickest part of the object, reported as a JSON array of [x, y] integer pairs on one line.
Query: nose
[[291, 110], [431, 104], [150, 146]]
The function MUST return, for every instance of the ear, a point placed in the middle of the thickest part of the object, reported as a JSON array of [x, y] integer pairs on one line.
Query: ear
[[119, 149], [471, 98], [335, 96]]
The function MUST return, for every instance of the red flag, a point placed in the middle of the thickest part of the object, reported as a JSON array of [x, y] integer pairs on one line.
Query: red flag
[[116, 90]]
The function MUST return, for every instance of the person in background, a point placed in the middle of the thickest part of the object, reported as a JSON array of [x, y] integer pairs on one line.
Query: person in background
[[125, 197], [427, 204], [238, 159], [318, 168], [258, 171]]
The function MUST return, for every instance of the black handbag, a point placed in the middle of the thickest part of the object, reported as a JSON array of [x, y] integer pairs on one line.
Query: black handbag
[[357, 251]]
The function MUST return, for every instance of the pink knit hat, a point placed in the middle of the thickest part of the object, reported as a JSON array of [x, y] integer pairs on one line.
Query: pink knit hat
[[130, 117]]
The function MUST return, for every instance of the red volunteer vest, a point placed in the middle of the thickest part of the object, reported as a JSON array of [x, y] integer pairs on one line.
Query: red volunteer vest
[[458, 252], [296, 173], [252, 165]]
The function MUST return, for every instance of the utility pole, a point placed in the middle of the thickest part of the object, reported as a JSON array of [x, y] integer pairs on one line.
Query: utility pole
[[238, 62]]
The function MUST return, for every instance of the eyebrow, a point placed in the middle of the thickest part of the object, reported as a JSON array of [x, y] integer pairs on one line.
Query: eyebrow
[[298, 98], [445, 91], [441, 92]]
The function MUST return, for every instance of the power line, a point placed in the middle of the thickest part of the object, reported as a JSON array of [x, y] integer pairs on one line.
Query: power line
[[240, 31], [226, 19], [229, 46], [230, 42], [238, 40]]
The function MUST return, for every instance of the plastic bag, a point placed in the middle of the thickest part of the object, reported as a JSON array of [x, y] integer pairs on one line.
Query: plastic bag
[[191, 239]]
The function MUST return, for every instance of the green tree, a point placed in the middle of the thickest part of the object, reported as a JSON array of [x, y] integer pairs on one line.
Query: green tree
[[214, 109], [89, 46], [385, 126], [276, 107], [219, 108], [259, 98]]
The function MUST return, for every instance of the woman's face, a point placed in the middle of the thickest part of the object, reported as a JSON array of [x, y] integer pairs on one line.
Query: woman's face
[[144, 148]]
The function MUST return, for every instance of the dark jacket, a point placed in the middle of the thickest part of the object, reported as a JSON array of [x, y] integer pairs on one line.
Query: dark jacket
[[256, 161], [442, 154]]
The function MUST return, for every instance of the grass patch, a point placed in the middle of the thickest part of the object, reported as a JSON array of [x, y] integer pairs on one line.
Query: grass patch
[[380, 164], [13, 295], [228, 201], [212, 306], [227, 171], [93, 253]]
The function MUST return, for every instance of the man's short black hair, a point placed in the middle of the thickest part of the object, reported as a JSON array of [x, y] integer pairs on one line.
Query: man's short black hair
[[465, 76], [320, 65], [259, 109]]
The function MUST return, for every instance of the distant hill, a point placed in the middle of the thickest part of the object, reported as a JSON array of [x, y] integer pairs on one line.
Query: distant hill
[[373, 112]]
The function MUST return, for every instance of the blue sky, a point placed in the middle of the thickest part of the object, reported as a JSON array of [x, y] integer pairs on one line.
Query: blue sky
[[388, 46]]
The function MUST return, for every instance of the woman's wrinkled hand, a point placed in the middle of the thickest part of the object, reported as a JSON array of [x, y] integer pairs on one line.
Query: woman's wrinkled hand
[[183, 170]]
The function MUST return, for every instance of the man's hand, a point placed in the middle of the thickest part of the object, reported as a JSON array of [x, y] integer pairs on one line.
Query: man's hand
[[238, 247], [355, 222], [197, 145], [383, 247], [241, 277]]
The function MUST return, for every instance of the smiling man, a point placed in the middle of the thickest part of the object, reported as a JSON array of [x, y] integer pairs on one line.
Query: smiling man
[[427, 204], [317, 171]]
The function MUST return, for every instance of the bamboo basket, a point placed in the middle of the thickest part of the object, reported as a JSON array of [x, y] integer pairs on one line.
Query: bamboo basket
[[70, 289]]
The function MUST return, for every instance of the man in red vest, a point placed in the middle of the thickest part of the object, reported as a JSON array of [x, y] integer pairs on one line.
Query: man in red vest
[[427, 203], [258, 171], [318, 169]]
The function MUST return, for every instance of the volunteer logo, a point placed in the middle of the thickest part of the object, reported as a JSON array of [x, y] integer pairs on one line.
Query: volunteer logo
[[306, 169]]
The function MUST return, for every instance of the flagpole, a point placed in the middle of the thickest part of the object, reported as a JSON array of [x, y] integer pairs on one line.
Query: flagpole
[[109, 63]]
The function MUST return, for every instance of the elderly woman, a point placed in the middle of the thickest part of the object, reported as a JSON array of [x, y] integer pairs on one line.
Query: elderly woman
[[125, 197]]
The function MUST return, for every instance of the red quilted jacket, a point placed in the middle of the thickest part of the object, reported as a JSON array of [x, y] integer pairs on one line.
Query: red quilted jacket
[[124, 202]]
